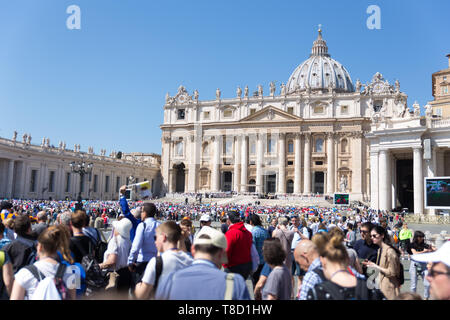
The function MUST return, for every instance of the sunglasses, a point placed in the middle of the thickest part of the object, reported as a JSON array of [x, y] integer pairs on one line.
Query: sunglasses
[[432, 273], [374, 236], [364, 231]]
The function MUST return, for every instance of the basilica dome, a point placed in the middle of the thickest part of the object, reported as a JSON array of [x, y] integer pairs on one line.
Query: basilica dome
[[320, 72]]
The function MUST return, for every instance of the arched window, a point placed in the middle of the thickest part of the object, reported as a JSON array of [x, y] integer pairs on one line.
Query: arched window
[[344, 145], [252, 185], [319, 145], [290, 186]]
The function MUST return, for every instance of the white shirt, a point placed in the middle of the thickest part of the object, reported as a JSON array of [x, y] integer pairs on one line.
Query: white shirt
[[121, 247], [171, 260], [27, 281]]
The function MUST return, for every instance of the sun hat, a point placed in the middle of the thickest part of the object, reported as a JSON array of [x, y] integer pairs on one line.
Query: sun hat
[[123, 227], [440, 255]]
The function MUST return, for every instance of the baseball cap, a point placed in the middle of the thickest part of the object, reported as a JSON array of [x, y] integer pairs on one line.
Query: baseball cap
[[217, 238], [205, 218], [440, 255]]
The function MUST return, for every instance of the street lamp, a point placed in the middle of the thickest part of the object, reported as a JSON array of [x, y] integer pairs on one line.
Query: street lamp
[[81, 169]]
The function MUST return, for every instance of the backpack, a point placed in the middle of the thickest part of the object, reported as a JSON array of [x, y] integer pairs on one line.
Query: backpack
[[100, 246], [158, 272], [362, 292], [49, 288], [95, 278], [32, 256]]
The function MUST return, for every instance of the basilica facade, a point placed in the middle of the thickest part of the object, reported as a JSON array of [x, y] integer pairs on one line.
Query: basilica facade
[[305, 137]]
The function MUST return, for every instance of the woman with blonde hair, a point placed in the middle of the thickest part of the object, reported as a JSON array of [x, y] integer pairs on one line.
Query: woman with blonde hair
[[50, 241]]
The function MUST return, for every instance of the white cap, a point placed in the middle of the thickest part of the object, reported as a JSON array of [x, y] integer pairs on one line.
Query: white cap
[[440, 255], [205, 218], [216, 238]]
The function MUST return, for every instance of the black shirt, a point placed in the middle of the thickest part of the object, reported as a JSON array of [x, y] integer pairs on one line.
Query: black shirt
[[417, 246], [366, 251], [79, 246]]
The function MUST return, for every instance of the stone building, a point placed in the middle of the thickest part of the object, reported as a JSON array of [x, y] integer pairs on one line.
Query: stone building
[[305, 138], [29, 171], [441, 92]]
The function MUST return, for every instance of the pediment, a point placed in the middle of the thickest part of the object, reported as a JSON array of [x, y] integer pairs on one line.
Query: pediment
[[270, 114]]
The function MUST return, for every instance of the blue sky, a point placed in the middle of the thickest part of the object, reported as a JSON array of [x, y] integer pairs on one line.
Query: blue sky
[[104, 85]]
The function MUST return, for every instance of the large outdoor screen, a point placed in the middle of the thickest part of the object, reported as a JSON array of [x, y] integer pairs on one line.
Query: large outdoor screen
[[437, 193], [341, 199]]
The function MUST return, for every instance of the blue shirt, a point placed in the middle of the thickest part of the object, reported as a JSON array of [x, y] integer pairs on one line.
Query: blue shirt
[[259, 234], [143, 247], [200, 281], [310, 279], [127, 213]]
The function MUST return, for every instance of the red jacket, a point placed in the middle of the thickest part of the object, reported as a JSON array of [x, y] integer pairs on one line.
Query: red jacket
[[239, 245]]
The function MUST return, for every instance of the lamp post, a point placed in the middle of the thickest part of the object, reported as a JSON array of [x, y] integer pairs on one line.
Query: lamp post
[[80, 168]]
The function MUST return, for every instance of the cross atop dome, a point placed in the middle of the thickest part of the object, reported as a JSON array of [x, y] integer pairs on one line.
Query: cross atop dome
[[320, 46]]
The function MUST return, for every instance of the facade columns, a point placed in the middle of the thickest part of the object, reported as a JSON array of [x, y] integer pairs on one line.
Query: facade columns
[[193, 164], [358, 165], [259, 160], [10, 182], [282, 163], [307, 165], [330, 160], [297, 163], [215, 178], [237, 161], [418, 180], [374, 192], [385, 181], [244, 164]]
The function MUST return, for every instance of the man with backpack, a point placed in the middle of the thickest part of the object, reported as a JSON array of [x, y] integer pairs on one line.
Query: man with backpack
[[22, 250], [143, 248], [203, 279], [171, 259]]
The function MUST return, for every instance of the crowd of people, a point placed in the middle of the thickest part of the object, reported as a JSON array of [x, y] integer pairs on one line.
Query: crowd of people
[[55, 250]]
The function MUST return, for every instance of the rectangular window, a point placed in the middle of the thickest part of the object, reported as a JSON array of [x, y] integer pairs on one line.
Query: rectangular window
[[206, 115], [252, 111], [344, 109], [228, 113], [228, 147], [252, 147], [51, 182], [290, 147], [95, 182], [271, 145], [107, 184], [117, 184], [33, 180], [290, 110], [67, 188], [290, 163]]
